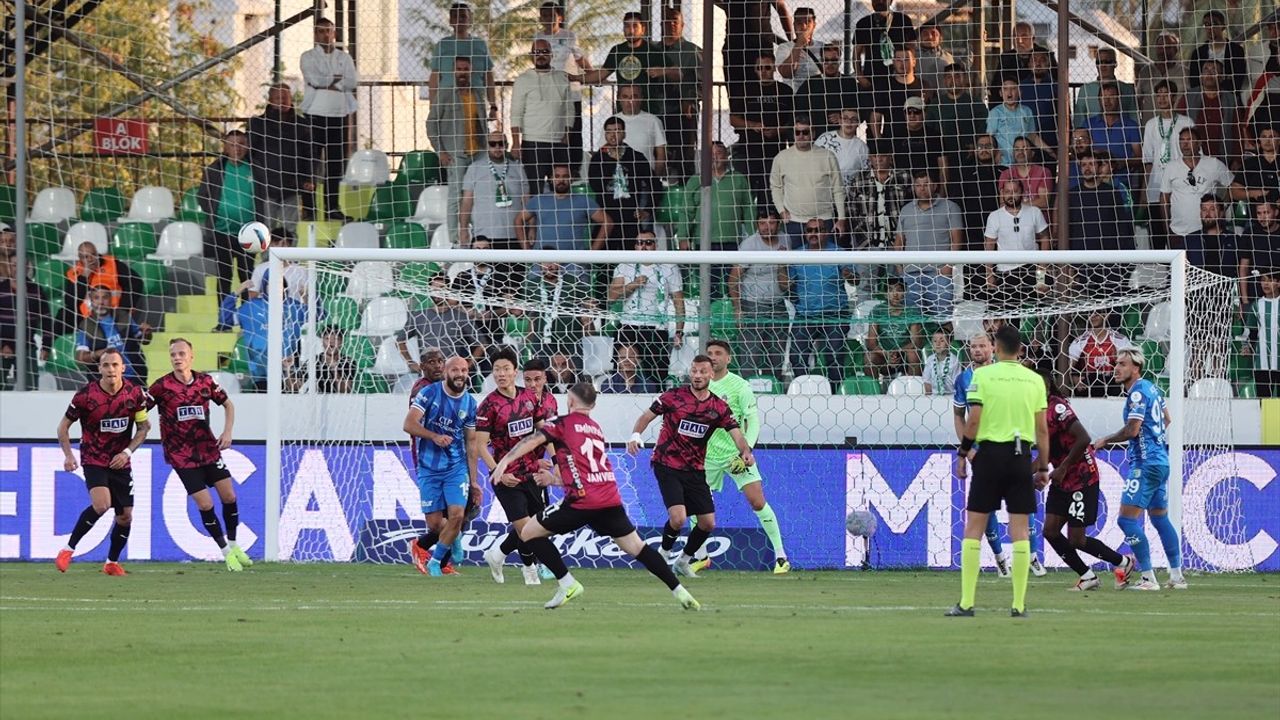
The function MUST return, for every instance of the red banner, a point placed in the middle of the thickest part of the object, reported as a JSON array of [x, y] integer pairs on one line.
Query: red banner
[[114, 136]]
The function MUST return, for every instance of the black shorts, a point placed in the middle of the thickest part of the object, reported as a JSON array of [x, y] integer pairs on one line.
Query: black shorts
[[1079, 507], [685, 487], [611, 521], [198, 478], [1001, 474], [119, 482], [522, 501]]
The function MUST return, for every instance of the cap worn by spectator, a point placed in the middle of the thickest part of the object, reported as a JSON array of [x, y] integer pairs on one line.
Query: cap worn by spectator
[[914, 103]]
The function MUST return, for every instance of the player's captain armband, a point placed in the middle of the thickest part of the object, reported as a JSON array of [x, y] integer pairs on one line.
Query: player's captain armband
[[140, 416]]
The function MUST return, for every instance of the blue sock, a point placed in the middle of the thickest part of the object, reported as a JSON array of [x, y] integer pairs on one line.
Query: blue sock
[[993, 534], [1169, 539], [1137, 540], [441, 552]]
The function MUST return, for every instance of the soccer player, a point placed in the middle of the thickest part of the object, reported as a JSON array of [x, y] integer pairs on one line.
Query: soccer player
[[689, 414], [1006, 410], [431, 365], [535, 381], [1146, 420], [1073, 490], [107, 409], [591, 498], [505, 416], [443, 417], [722, 455], [193, 451]]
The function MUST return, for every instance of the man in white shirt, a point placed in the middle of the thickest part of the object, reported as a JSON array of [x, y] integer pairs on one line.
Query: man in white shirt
[[798, 60], [1187, 180], [759, 295], [541, 115], [1161, 148], [1014, 227], [329, 99], [850, 151], [645, 133], [568, 56], [644, 289], [806, 183]]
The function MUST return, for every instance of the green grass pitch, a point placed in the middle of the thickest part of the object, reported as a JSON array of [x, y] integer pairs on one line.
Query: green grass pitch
[[359, 641]]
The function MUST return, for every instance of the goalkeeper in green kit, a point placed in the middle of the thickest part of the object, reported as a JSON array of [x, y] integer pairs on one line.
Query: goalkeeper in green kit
[[722, 454]]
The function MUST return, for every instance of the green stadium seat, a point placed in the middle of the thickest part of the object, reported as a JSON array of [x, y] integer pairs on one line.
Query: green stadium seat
[[359, 350], [103, 205], [392, 201], [62, 356], [190, 210], [416, 275], [1247, 390], [341, 312], [133, 241], [43, 240], [51, 276], [403, 235], [1155, 357], [860, 385], [8, 204], [420, 167], [154, 277], [329, 284], [370, 383]]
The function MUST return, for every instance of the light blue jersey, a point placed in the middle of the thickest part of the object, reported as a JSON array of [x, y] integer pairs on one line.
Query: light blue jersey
[[961, 397], [445, 415], [1145, 402]]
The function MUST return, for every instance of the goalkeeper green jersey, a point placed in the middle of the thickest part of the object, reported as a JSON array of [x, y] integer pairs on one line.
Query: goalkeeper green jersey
[[736, 392]]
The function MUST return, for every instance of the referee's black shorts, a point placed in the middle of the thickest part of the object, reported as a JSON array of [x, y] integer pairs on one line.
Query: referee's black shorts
[[1000, 473]]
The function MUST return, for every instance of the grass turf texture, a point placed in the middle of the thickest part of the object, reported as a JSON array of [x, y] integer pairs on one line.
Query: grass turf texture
[[351, 641]]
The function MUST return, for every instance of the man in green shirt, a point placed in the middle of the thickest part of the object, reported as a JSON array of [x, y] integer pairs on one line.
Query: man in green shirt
[[230, 201], [896, 334], [1007, 404]]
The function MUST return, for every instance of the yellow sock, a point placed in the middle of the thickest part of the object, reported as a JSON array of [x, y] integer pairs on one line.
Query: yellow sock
[[970, 565], [1021, 566]]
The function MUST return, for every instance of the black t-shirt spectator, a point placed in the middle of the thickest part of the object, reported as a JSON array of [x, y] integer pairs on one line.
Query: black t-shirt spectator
[[1099, 220], [1261, 247], [1260, 174], [1235, 69], [890, 94], [1216, 253], [975, 190], [773, 106], [870, 32], [918, 150], [822, 97]]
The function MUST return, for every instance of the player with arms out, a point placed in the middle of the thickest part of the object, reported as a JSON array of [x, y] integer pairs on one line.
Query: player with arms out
[[443, 418], [1073, 490], [193, 451], [107, 409], [505, 416], [591, 498], [689, 415], [1146, 422]]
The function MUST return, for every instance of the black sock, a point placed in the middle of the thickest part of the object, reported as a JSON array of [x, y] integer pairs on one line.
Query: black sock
[[510, 543], [526, 556], [697, 536], [654, 563], [546, 552], [1062, 546], [83, 525], [231, 518], [210, 520], [119, 536], [669, 535], [429, 540], [1102, 551]]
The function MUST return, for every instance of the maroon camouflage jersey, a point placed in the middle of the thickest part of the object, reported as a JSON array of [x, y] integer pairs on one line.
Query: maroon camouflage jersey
[[508, 420], [547, 404], [589, 483], [188, 439], [1061, 417], [687, 423], [417, 388], [106, 420]]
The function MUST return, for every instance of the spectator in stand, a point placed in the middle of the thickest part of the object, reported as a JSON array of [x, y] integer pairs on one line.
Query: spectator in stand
[[561, 373], [1081, 142], [1036, 180], [40, 324], [1016, 61], [1011, 120], [280, 152], [680, 116], [1107, 175], [295, 273], [1187, 181], [796, 59], [461, 44], [494, 193], [645, 133], [93, 270], [1040, 93], [1263, 91], [918, 145], [1259, 179], [932, 60], [1263, 326], [762, 117], [806, 184], [229, 197], [457, 129], [445, 324], [1214, 248], [480, 286], [895, 337], [1167, 66], [1093, 357], [876, 37], [335, 372], [1098, 219], [891, 94], [1216, 113], [749, 35], [759, 294], [1161, 152], [844, 143], [930, 224], [1218, 47], [876, 198], [956, 114], [1259, 248], [561, 219], [821, 308], [824, 96], [731, 202], [330, 99], [1116, 133], [107, 326], [1089, 96], [942, 365], [628, 380], [557, 294], [978, 189], [637, 61], [569, 58], [542, 114], [644, 289], [622, 180], [1014, 227]]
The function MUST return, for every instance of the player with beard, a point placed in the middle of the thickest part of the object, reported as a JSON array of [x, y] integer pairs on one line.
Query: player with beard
[[431, 365]]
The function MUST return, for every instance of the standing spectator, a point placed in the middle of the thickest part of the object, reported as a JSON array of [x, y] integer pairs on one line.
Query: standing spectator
[[622, 180], [108, 327], [542, 114], [228, 196], [844, 143], [636, 61], [824, 96], [1167, 66], [1093, 356], [1218, 47], [1036, 180], [628, 380], [480, 287], [39, 324], [1081, 142], [280, 152], [494, 192], [806, 184], [457, 129], [680, 115], [1259, 179], [557, 329], [568, 57], [956, 114], [328, 102], [731, 203], [761, 116], [876, 37], [644, 290], [759, 293], [918, 145], [1259, 248], [1115, 132], [1187, 180], [822, 308], [1161, 152], [561, 219], [1040, 93], [1089, 96], [1016, 61], [930, 224], [1011, 120], [335, 373], [1263, 326], [932, 60], [797, 59], [1216, 112], [896, 335], [1014, 227], [1214, 247], [978, 188], [645, 133], [445, 324], [876, 197], [1098, 219], [941, 365], [562, 374], [892, 93], [749, 34], [461, 44]]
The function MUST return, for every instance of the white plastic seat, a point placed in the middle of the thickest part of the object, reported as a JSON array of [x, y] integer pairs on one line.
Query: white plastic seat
[[966, 319], [53, 205], [368, 167], [809, 385], [860, 327], [1211, 389], [150, 204], [357, 235], [404, 384], [229, 382], [1157, 327], [761, 385], [383, 317], [597, 355], [440, 239], [179, 241], [682, 357], [80, 233], [433, 205], [388, 360], [907, 385], [370, 279]]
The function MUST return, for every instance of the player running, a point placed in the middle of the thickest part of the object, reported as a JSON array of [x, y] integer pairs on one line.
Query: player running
[[1146, 424], [191, 449], [505, 416], [591, 498], [443, 417], [1073, 490], [689, 414], [722, 454], [107, 409]]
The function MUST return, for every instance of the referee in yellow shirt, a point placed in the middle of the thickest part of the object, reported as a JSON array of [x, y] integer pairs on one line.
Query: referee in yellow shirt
[[1007, 404]]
